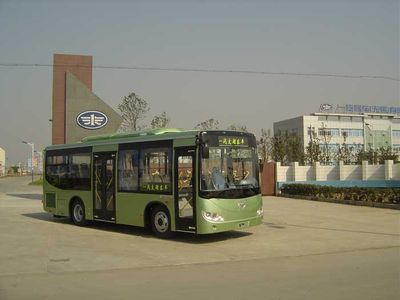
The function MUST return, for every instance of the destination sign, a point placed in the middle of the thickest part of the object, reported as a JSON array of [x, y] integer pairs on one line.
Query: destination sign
[[156, 187], [238, 141]]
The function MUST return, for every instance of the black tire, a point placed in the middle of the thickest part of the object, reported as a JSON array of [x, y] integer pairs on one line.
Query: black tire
[[160, 222], [78, 213]]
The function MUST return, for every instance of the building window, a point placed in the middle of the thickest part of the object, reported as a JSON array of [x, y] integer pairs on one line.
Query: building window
[[396, 148], [332, 148], [355, 147], [128, 170], [155, 170], [396, 133], [348, 132], [328, 131]]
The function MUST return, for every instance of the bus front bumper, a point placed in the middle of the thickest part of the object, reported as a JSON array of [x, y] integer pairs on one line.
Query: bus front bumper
[[213, 227]]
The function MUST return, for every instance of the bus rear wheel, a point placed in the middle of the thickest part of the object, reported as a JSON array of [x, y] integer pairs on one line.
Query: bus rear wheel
[[161, 222], [78, 213]]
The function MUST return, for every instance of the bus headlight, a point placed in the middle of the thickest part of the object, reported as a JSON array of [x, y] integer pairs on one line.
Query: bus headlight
[[213, 217], [260, 212]]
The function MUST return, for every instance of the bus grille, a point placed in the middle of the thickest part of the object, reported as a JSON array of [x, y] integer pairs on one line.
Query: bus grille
[[51, 200]]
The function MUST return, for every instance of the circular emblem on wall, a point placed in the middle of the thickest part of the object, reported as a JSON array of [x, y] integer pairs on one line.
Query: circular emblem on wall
[[325, 107], [91, 119]]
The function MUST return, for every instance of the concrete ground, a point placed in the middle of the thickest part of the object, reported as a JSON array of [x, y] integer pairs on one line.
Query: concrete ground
[[304, 250]]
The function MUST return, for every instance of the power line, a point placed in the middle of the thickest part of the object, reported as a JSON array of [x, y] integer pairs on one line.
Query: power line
[[204, 71]]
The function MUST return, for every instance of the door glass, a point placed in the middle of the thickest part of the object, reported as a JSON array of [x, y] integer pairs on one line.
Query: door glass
[[97, 182], [110, 185], [185, 186]]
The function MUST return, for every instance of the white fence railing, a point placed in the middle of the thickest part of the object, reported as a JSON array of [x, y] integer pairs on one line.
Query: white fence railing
[[316, 172]]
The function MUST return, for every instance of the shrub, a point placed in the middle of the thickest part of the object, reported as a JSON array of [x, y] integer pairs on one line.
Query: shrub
[[385, 195]]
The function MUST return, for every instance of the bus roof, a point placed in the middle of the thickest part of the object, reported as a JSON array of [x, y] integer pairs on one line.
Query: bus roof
[[136, 136]]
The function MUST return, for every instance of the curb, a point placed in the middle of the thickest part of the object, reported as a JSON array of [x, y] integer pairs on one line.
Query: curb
[[348, 202]]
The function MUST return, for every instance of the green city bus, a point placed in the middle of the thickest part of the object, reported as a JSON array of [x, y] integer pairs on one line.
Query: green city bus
[[165, 179]]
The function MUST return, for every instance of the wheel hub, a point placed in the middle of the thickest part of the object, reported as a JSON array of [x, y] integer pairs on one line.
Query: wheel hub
[[78, 213], [161, 221]]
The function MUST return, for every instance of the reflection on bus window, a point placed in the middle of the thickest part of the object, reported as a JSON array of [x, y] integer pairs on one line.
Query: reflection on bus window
[[228, 168], [128, 164]]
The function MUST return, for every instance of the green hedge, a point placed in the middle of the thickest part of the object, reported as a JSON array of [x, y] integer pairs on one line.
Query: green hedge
[[385, 195]]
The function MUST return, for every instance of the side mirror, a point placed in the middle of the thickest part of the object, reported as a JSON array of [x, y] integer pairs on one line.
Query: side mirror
[[205, 152]]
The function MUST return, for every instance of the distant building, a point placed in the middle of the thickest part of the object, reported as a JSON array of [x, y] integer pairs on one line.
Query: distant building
[[357, 126], [38, 162], [2, 162]]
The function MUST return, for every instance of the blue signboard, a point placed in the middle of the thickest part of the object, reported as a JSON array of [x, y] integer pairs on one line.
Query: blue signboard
[[91, 119], [357, 108]]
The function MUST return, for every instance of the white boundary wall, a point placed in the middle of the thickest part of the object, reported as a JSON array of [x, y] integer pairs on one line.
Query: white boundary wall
[[294, 172]]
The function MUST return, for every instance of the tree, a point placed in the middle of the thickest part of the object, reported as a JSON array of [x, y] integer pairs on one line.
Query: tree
[[326, 138], [386, 153], [294, 149], [265, 145], [132, 108], [208, 124], [371, 156], [313, 151], [344, 153], [237, 127], [278, 148], [287, 148], [160, 121]]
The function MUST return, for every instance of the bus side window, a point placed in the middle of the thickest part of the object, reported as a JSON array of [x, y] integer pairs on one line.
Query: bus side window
[[155, 165], [69, 170], [128, 170], [85, 170]]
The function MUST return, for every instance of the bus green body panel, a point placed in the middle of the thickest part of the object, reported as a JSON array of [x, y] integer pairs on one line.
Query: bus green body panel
[[237, 213], [131, 207], [63, 200], [185, 142], [105, 148]]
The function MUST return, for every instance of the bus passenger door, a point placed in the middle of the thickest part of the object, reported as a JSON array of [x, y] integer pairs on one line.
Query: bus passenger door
[[185, 192], [104, 186]]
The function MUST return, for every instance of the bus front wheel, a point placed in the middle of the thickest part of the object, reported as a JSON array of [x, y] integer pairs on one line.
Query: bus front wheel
[[161, 222], [78, 213]]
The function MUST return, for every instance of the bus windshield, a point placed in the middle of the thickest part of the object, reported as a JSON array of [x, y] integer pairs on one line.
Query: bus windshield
[[229, 172]]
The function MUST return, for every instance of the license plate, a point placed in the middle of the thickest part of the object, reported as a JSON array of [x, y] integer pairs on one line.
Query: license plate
[[243, 224]]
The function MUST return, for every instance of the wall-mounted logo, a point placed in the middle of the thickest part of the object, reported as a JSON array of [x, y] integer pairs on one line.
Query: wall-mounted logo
[[91, 119], [325, 107]]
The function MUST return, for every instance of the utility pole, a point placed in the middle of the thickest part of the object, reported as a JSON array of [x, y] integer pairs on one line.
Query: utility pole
[[32, 145]]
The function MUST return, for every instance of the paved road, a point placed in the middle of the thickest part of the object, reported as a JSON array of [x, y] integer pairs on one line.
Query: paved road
[[304, 250]]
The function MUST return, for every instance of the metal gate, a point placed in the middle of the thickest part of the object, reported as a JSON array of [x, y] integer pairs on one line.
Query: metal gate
[[268, 179]]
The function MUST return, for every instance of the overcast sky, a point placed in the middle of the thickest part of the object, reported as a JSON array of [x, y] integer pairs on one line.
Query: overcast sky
[[336, 37]]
